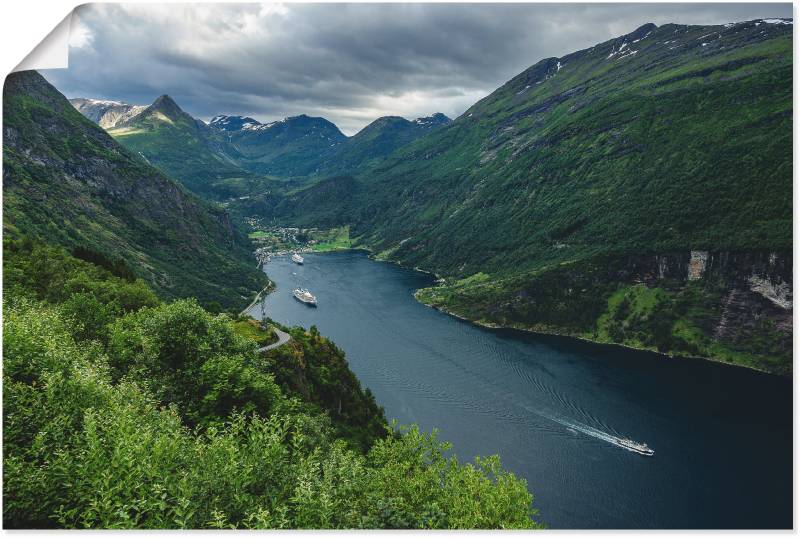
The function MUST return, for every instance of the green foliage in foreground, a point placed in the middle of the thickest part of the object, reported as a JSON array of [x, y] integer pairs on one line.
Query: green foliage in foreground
[[247, 327], [162, 416], [314, 369]]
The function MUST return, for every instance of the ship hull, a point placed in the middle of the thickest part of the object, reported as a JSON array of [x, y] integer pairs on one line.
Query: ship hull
[[305, 302], [638, 451]]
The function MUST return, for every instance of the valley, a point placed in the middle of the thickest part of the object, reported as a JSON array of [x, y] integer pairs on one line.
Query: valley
[[570, 305], [545, 203]]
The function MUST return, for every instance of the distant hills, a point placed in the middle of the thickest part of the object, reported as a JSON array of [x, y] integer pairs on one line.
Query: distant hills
[[187, 149], [293, 146], [65, 180], [106, 114], [376, 141], [215, 160]]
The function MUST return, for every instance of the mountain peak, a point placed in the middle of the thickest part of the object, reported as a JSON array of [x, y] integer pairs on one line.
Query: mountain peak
[[164, 109], [643, 30], [224, 122], [164, 99], [167, 105], [436, 119]]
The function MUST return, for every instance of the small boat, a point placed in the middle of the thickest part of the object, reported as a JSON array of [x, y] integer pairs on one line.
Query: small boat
[[297, 259], [304, 296], [636, 447]]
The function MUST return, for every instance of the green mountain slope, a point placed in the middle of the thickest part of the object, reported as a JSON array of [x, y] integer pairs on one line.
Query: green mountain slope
[[322, 197], [662, 141], [181, 146], [290, 147], [377, 140], [67, 181], [229, 157], [314, 147], [683, 140]]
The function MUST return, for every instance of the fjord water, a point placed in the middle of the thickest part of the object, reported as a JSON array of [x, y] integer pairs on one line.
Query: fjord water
[[550, 407]]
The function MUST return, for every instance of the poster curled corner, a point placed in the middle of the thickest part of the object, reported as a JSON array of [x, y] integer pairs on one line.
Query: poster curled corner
[[53, 51]]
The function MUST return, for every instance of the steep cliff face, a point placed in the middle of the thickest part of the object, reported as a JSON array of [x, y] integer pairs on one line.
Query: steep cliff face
[[68, 182], [733, 306], [769, 271]]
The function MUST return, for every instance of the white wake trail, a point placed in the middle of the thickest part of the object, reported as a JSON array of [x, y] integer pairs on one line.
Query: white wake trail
[[595, 433]]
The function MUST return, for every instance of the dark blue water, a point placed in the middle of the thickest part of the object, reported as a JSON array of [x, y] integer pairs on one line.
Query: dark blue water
[[549, 406]]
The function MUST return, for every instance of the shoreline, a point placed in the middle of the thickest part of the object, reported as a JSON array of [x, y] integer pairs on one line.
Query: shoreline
[[494, 326], [271, 287]]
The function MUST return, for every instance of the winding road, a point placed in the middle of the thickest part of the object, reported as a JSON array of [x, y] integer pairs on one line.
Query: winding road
[[283, 338]]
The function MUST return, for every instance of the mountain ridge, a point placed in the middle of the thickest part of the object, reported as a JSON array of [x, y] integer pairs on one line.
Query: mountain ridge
[[67, 181], [232, 147], [106, 113], [664, 141]]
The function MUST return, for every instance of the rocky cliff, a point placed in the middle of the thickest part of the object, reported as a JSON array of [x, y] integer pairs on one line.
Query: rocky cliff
[[732, 306]]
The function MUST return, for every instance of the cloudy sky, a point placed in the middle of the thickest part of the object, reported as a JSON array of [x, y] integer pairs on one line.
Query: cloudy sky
[[350, 63]]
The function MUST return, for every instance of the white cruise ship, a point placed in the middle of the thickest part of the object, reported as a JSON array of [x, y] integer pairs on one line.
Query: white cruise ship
[[304, 296], [297, 259]]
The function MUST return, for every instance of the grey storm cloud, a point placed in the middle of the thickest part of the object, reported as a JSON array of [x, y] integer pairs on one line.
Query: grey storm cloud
[[350, 63]]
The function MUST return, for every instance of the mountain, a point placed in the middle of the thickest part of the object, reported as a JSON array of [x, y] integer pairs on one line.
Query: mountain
[[65, 180], [437, 119], [233, 123], [290, 147], [227, 155], [377, 140], [106, 113], [308, 207], [181, 146], [659, 160], [302, 145]]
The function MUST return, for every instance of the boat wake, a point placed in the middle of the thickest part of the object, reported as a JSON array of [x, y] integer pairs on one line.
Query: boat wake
[[625, 443]]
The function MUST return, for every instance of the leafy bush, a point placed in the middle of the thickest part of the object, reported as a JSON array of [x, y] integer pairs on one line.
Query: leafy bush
[[123, 412]]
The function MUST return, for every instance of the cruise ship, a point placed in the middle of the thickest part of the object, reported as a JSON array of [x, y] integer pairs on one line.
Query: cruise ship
[[636, 447], [304, 296], [297, 259]]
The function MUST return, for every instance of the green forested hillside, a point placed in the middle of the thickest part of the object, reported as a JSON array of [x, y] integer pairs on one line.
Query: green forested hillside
[[235, 158], [293, 146], [322, 204], [659, 142], [120, 411], [682, 140], [372, 144], [68, 182], [182, 147]]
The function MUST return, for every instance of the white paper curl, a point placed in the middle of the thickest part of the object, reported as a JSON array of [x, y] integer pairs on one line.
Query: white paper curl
[[53, 51]]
